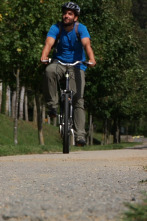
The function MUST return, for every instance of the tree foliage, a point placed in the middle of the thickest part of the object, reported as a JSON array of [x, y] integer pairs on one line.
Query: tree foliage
[[24, 25], [116, 87]]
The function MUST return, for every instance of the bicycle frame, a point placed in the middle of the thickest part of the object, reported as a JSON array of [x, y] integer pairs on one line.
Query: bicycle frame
[[66, 111]]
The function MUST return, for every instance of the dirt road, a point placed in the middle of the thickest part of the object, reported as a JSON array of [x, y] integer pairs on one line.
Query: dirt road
[[83, 186]]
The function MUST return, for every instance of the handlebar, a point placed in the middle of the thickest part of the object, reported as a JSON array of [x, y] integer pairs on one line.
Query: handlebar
[[67, 64]]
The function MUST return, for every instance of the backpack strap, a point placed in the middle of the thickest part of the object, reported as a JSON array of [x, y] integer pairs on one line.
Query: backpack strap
[[58, 36], [76, 30], [60, 30]]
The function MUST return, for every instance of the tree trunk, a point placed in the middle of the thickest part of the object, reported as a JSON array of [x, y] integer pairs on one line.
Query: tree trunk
[[39, 119], [127, 133], [35, 112], [90, 130], [8, 101], [0, 95], [26, 107], [116, 131], [48, 119], [106, 129], [3, 105], [16, 109], [43, 113], [13, 104], [21, 102], [55, 121]]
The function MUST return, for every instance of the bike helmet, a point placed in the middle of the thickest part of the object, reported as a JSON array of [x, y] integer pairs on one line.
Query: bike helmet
[[73, 6]]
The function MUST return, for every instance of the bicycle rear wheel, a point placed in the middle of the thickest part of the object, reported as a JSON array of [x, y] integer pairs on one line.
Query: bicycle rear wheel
[[66, 135]]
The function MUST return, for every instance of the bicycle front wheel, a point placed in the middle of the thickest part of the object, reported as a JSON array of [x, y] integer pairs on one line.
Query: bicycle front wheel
[[66, 136]]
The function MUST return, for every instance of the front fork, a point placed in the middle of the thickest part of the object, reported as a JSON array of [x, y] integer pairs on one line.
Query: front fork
[[60, 116]]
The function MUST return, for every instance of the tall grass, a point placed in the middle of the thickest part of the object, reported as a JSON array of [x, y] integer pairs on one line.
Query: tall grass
[[28, 142], [27, 138]]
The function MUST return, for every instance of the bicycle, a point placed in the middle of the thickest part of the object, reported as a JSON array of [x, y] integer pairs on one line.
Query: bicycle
[[65, 118]]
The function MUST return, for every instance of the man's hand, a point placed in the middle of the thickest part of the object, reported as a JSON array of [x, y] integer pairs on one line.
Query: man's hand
[[93, 63], [44, 58], [87, 45]]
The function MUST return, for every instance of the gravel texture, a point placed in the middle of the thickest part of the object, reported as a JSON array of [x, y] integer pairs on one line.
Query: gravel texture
[[80, 186]]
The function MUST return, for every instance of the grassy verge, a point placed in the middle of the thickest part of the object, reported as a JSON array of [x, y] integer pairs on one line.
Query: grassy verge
[[104, 147], [7, 150], [28, 139], [136, 212], [27, 133]]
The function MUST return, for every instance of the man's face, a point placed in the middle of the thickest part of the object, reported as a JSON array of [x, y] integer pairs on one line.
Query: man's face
[[69, 17]]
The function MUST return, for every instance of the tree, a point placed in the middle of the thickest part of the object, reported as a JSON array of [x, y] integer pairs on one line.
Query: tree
[[115, 87], [117, 79], [24, 25], [140, 16]]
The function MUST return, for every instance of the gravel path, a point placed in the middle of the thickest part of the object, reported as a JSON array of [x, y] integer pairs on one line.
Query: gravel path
[[80, 186]]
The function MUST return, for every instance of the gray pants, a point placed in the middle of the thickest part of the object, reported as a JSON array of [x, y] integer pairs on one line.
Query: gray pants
[[76, 84]]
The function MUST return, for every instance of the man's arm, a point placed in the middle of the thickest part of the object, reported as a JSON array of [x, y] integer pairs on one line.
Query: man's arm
[[87, 46], [47, 48]]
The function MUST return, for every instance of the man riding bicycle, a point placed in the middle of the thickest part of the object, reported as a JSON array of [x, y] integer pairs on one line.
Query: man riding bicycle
[[70, 47]]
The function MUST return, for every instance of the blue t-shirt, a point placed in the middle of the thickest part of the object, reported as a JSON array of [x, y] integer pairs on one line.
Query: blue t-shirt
[[69, 48]]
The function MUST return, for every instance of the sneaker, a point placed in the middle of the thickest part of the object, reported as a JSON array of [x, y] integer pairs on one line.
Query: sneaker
[[52, 113], [80, 142]]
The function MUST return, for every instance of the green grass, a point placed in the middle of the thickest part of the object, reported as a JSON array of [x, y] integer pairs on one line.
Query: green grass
[[136, 212], [27, 132], [28, 139], [9, 150], [105, 147]]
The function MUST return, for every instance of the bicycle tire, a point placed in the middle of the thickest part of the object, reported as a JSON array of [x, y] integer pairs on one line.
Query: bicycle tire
[[66, 136]]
